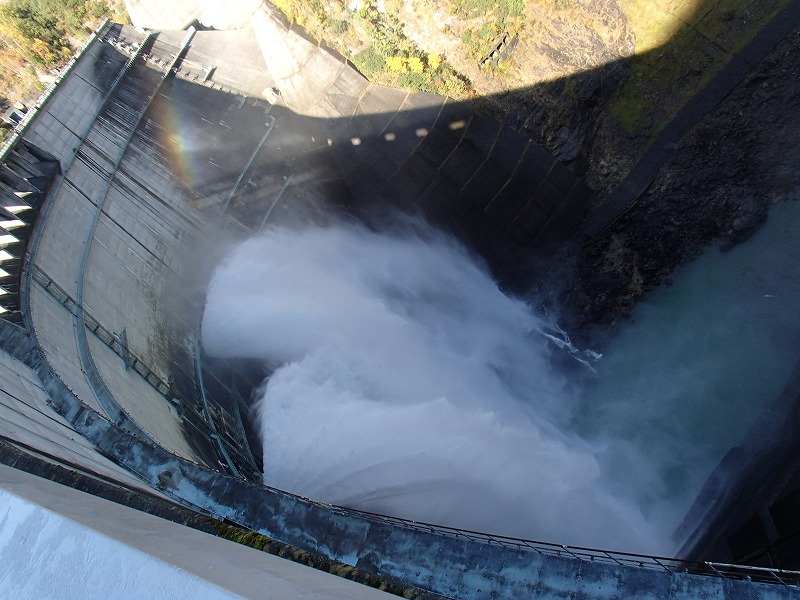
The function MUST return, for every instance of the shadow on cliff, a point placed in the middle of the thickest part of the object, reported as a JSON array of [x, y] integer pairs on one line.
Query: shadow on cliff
[[501, 193]]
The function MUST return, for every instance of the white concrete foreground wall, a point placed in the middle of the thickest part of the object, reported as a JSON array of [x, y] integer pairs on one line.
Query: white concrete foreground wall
[[56, 542]]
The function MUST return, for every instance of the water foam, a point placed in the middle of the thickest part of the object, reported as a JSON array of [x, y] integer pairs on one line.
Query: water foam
[[406, 383]]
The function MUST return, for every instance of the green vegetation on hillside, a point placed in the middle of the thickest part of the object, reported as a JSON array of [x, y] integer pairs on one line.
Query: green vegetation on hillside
[[43, 29], [373, 40], [403, 63], [38, 36]]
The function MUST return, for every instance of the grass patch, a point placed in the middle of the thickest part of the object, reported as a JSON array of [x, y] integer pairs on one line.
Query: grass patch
[[253, 539], [627, 111], [370, 62], [317, 561]]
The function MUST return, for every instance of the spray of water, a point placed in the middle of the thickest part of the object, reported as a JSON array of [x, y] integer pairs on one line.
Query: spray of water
[[404, 382]]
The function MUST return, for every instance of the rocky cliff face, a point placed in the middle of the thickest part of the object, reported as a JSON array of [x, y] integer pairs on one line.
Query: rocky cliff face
[[718, 189]]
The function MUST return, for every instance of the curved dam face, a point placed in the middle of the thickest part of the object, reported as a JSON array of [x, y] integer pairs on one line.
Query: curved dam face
[[128, 183]]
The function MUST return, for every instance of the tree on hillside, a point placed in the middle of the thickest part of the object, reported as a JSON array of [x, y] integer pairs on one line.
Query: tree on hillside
[[42, 29]]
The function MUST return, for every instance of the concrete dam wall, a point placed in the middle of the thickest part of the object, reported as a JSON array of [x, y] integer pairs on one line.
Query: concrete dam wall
[[122, 189]]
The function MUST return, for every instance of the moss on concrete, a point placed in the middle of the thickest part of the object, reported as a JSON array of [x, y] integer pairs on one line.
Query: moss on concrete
[[264, 543]]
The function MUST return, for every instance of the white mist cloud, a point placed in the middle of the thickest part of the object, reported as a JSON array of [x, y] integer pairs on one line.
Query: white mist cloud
[[406, 383]]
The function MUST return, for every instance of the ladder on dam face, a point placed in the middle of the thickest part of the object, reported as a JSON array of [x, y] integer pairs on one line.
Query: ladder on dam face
[[245, 459]]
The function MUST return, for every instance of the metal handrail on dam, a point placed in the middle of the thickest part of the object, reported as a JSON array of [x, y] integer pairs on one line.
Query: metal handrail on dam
[[594, 555], [583, 554], [84, 423], [207, 411]]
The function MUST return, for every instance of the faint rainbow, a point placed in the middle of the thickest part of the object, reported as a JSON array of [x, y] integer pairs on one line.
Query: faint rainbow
[[177, 140]]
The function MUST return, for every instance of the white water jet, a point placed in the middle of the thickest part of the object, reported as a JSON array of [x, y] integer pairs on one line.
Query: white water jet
[[406, 383]]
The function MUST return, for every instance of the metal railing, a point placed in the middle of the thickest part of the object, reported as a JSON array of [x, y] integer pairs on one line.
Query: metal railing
[[592, 555], [110, 339], [585, 554], [198, 366], [137, 364]]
